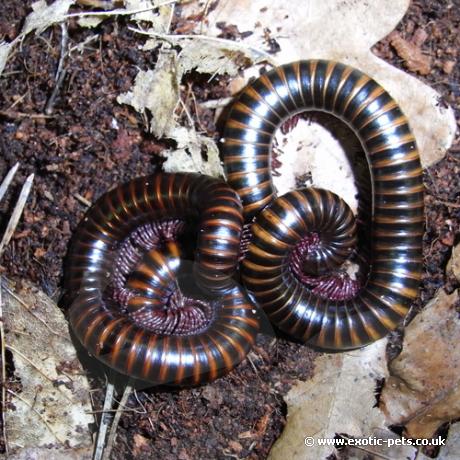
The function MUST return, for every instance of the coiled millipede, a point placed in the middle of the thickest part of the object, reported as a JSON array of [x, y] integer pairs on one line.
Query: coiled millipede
[[126, 308], [138, 321], [282, 224]]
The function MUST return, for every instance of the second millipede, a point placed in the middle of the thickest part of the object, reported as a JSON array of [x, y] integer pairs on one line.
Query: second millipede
[[281, 224], [148, 331]]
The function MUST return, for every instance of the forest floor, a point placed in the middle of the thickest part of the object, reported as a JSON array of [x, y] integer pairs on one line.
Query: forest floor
[[76, 155]]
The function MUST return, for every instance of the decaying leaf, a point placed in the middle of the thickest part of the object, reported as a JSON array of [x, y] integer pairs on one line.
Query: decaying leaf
[[452, 448], [213, 57], [453, 266], [44, 15], [411, 53], [194, 152], [49, 408], [157, 91], [4, 52], [158, 20], [340, 398], [423, 390], [90, 21], [351, 28]]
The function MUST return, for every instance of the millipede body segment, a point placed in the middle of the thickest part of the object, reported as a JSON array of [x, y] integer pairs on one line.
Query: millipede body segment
[[281, 224], [152, 332]]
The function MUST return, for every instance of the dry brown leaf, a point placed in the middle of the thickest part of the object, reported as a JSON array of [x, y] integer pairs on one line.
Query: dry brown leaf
[[5, 49], [44, 15], [452, 448], [214, 57], [188, 156], [50, 410], [453, 266], [423, 390], [411, 53], [157, 91], [340, 398], [351, 28]]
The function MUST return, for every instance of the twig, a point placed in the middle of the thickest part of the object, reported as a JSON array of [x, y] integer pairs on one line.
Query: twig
[[171, 38], [216, 103], [105, 421], [60, 72], [43, 419], [3, 357], [104, 4], [11, 115], [116, 420], [7, 181], [82, 200], [80, 46], [447, 203], [118, 12], [171, 17], [205, 13], [16, 215]]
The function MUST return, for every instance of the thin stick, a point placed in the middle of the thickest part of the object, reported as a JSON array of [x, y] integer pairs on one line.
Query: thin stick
[[105, 421], [3, 355], [447, 203], [13, 222], [60, 72], [205, 13], [7, 181], [116, 420], [82, 200], [216, 103], [118, 12], [11, 115]]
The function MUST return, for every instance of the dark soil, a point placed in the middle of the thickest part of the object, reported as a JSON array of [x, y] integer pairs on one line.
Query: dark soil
[[76, 153]]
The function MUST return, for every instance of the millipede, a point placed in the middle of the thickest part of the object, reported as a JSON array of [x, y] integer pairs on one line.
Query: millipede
[[125, 264], [126, 306], [281, 226]]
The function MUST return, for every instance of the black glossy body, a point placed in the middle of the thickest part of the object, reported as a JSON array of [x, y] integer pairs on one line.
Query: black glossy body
[[109, 334], [397, 222]]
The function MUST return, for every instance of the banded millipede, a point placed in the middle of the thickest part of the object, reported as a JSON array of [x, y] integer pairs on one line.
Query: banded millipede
[[397, 222], [128, 328]]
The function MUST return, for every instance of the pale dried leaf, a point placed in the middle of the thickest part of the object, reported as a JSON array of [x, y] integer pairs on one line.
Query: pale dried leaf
[[423, 390], [90, 21], [17, 212], [214, 57], [188, 156], [158, 92], [51, 408], [453, 266], [351, 28], [323, 406], [44, 15], [411, 53], [452, 448], [158, 20], [45, 453], [5, 49], [7, 180], [312, 151]]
